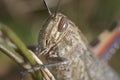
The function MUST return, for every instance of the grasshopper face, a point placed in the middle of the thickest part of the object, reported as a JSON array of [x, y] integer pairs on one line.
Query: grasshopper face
[[60, 34]]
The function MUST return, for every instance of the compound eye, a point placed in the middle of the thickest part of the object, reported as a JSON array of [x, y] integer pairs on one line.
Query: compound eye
[[63, 24]]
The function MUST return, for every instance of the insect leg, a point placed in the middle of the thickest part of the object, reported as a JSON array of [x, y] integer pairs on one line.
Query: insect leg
[[38, 67]]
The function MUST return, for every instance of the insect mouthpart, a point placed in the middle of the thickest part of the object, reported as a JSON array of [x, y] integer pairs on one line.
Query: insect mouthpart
[[47, 50]]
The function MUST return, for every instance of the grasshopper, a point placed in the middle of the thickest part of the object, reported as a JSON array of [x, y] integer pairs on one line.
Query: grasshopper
[[60, 40]]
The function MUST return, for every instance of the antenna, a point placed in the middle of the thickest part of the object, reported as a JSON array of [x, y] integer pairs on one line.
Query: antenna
[[47, 7], [56, 10]]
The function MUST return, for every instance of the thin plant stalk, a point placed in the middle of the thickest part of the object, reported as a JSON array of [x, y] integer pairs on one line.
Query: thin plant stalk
[[20, 45]]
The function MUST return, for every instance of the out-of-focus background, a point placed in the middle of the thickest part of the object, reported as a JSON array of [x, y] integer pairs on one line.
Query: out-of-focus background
[[25, 17]]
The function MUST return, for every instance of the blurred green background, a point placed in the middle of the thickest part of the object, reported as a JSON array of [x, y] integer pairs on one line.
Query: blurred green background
[[25, 17]]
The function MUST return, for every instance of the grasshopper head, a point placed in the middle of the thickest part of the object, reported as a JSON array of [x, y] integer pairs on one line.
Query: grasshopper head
[[53, 32], [59, 35]]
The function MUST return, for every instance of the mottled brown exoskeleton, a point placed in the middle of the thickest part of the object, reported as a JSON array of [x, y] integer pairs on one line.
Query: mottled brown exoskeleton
[[60, 40]]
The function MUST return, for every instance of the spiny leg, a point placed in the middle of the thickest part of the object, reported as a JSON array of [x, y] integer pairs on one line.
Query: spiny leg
[[62, 61]]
